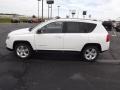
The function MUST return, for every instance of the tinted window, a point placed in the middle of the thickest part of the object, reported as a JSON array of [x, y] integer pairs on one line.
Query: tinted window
[[55, 27], [78, 27], [87, 27], [71, 27]]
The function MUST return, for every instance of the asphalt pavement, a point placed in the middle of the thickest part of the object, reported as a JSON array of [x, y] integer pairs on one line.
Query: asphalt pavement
[[58, 71]]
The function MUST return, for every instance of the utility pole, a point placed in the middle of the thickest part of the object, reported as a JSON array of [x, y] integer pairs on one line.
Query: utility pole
[[38, 9], [70, 13], [42, 10], [48, 11], [73, 13], [50, 2], [84, 14], [90, 16], [58, 10], [51, 12]]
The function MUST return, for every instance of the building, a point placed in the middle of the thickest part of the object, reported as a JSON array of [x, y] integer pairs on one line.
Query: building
[[4, 15]]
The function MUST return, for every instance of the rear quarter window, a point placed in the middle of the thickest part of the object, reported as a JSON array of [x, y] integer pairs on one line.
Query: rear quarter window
[[87, 27]]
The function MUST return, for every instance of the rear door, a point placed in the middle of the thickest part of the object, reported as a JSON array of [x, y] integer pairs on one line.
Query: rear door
[[76, 35]]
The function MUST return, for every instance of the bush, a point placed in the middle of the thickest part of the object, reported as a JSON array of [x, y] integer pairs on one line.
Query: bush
[[5, 20]]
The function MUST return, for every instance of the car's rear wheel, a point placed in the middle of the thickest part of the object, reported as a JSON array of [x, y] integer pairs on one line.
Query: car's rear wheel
[[90, 53], [23, 51]]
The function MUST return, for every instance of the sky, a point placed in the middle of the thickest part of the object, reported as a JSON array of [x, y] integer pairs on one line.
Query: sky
[[99, 9]]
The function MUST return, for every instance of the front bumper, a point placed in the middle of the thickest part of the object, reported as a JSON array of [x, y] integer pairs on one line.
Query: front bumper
[[9, 49], [9, 44]]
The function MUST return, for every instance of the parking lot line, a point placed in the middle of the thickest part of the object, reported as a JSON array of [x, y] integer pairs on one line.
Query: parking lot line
[[109, 61], [114, 35]]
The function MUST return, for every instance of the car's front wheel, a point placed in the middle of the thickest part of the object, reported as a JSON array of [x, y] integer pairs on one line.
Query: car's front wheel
[[23, 50], [90, 53]]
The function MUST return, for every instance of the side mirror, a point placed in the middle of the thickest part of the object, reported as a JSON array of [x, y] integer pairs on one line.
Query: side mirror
[[39, 31], [42, 30]]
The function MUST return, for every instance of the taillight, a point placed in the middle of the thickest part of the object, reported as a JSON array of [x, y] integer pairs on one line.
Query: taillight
[[108, 38]]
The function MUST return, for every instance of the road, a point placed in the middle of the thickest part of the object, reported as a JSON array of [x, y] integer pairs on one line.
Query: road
[[58, 71]]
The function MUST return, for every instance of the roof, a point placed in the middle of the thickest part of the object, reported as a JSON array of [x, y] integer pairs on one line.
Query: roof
[[78, 20]]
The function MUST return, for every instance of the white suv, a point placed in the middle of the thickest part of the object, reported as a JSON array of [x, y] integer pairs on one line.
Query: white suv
[[85, 36]]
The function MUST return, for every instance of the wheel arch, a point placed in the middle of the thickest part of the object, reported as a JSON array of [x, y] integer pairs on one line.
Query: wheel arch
[[93, 44], [21, 41]]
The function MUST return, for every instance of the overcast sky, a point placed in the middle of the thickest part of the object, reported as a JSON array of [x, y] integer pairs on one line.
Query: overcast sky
[[100, 9]]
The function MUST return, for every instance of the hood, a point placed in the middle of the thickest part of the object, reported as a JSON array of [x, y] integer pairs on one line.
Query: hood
[[20, 31]]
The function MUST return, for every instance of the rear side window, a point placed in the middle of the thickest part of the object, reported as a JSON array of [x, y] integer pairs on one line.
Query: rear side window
[[71, 27], [78, 27]]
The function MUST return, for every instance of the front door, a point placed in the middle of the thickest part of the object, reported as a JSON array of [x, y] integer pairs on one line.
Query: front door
[[50, 38]]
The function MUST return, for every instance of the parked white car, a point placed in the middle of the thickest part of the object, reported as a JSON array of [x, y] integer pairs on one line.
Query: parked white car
[[85, 36]]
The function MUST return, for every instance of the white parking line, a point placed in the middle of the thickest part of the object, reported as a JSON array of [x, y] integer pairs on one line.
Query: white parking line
[[109, 61], [114, 35]]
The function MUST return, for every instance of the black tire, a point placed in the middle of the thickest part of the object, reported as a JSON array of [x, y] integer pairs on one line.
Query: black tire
[[84, 53], [27, 46]]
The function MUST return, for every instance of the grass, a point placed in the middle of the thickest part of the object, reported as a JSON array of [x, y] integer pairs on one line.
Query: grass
[[5, 20], [8, 20]]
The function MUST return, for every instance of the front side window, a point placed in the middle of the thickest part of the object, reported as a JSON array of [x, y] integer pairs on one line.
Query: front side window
[[54, 27]]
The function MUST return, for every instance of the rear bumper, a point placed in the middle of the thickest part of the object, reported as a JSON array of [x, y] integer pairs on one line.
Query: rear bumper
[[104, 51], [105, 46]]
